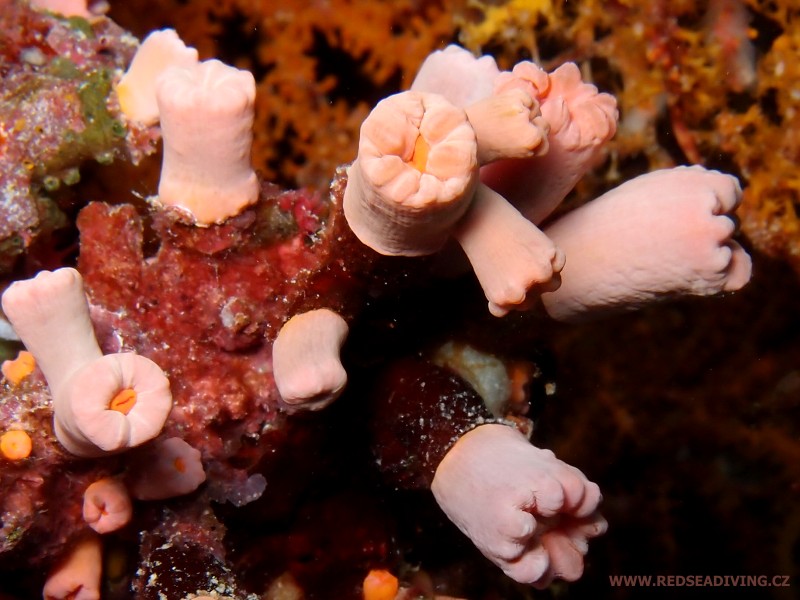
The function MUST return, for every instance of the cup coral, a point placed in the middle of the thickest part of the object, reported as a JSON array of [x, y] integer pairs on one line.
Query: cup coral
[[167, 468], [581, 121], [380, 585], [508, 125], [136, 91], [305, 359], [665, 233], [15, 444], [471, 157], [394, 210], [510, 256], [525, 510], [101, 403], [107, 505], [457, 75], [414, 176], [578, 118], [18, 369], [206, 113], [77, 576]]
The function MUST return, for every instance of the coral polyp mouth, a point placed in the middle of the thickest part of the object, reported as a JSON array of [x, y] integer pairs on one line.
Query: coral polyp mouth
[[123, 401], [419, 158]]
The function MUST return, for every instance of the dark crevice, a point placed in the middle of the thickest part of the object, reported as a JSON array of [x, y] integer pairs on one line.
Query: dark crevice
[[351, 82]]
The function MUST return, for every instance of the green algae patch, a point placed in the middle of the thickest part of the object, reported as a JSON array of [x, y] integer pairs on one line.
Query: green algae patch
[[102, 135], [81, 25], [63, 68]]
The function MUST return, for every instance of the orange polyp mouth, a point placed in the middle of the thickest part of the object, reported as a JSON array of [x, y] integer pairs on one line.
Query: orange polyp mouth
[[123, 402], [419, 159]]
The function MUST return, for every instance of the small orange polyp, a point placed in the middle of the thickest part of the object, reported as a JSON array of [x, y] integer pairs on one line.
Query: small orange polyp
[[18, 369], [124, 401], [419, 159], [15, 444], [380, 585]]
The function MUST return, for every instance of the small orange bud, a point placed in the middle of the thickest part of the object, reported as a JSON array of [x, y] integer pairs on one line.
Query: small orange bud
[[15, 444], [18, 369], [380, 585]]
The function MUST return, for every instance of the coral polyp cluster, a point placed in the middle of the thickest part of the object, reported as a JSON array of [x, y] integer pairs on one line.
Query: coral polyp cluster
[[699, 82]]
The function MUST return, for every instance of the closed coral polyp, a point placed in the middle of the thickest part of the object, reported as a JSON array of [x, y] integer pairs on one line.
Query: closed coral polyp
[[305, 359], [508, 125], [15, 371], [510, 255], [107, 505], [15, 444], [167, 468], [580, 120], [136, 91], [664, 233], [77, 576], [207, 120], [457, 75], [525, 492], [380, 584]]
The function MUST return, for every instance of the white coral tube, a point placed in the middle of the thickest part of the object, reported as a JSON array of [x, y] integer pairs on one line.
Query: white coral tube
[[207, 124], [101, 403]]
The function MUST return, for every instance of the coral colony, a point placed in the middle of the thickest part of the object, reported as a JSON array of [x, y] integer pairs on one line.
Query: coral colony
[[179, 357]]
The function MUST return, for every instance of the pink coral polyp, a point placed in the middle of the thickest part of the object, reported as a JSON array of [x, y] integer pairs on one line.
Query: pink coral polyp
[[414, 176]]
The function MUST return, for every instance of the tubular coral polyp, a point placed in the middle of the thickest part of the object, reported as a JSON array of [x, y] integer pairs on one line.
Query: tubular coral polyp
[[87, 423], [136, 91], [414, 175], [457, 75], [510, 255], [107, 505], [508, 125], [305, 359], [51, 315], [580, 120], [207, 125], [167, 468], [78, 574], [528, 493], [663, 233], [589, 117]]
